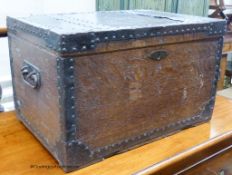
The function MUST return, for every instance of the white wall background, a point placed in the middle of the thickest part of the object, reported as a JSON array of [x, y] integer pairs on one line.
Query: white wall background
[[228, 1], [26, 7]]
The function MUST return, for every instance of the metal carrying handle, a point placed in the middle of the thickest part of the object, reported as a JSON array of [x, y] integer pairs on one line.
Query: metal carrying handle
[[31, 76], [158, 55]]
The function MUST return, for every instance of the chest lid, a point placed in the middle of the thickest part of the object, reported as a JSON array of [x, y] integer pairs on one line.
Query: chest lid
[[80, 32]]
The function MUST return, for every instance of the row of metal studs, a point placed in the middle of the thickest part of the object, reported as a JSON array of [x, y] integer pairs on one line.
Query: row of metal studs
[[113, 37], [146, 134], [218, 55], [217, 72], [152, 132], [59, 69], [63, 48], [64, 73], [69, 73], [217, 60]]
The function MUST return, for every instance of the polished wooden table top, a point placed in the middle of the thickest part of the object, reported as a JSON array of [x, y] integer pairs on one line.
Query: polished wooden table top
[[21, 153]]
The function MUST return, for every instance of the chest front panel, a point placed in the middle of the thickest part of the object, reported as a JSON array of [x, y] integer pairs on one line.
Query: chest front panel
[[127, 93]]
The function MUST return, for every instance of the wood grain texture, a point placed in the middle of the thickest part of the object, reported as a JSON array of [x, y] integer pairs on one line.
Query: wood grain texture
[[20, 150], [142, 86], [38, 108]]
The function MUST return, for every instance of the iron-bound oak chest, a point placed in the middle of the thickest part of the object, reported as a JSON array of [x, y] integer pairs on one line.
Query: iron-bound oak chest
[[90, 85]]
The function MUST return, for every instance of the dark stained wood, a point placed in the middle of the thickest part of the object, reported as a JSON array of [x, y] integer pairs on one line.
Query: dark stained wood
[[112, 82], [39, 108]]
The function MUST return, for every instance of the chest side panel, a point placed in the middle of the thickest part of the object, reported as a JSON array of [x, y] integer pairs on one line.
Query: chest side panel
[[123, 94], [38, 107]]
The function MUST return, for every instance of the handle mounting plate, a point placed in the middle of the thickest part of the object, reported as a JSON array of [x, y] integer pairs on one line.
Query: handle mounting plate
[[31, 75]]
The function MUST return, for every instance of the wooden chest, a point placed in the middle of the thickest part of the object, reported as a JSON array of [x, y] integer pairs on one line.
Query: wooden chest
[[91, 85]]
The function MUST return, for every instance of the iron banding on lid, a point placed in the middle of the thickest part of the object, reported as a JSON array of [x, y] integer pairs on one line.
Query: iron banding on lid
[[58, 39], [89, 41]]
